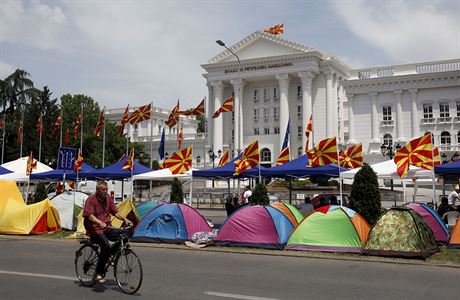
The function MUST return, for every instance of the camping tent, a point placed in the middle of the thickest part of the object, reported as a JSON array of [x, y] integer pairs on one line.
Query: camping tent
[[69, 205], [143, 208], [37, 218], [401, 232], [255, 226], [18, 167], [388, 170], [434, 221], [163, 174], [9, 190], [58, 174], [331, 229], [170, 223], [455, 236], [290, 211]]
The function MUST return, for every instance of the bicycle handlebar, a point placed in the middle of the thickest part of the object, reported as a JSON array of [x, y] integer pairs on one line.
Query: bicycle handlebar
[[122, 227]]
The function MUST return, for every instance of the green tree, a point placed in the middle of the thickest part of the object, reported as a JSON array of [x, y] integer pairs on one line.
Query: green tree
[[155, 165], [16, 90], [40, 192], [365, 195], [201, 123], [259, 195], [177, 195]]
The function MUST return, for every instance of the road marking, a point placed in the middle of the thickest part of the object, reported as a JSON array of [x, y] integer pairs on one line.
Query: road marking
[[235, 296], [39, 275]]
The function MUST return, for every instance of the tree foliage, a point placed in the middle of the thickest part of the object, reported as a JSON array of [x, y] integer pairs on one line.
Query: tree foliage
[[365, 195], [259, 195], [40, 192], [177, 194], [201, 123]]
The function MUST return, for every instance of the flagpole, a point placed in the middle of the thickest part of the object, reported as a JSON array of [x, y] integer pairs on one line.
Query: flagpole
[[40, 140], [103, 140], [151, 143], [433, 175], [340, 173], [81, 126], [127, 139], [27, 193], [22, 134], [60, 128], [3, 138], [191, 181]]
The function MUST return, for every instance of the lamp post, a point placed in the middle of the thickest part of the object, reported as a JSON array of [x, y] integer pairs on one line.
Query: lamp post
[[389, 151], [455, 157], [212, 157], [444, 158]]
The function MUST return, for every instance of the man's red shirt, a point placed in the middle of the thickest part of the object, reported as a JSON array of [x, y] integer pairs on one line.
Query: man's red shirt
[[101, 209]]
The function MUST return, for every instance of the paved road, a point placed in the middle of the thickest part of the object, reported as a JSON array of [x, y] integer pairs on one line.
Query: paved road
[[41, 269]]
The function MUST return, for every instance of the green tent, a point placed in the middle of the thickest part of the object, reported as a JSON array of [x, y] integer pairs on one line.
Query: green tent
[[401, 232], [145, 207]]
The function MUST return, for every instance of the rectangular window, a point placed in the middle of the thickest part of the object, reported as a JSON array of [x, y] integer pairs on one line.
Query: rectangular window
[[299, 131], [256, 96], [266, 130], [276, 114], [458, 108], [266, 114], [427, 111], [276, 130], [256, 115], [387, 113], [299, 112], [276, 97], [443, 110], [299, 92], [256, 131], [266, 95]]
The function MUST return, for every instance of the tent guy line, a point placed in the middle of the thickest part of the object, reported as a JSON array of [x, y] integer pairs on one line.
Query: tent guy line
[[39, 275]]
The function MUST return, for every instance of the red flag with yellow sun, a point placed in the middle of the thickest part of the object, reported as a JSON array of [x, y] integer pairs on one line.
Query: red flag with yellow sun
[[352, 158], [418, 152], [224, 159], [180, 162], [283, 157], [323, 154], [249, 158], [31, 164]]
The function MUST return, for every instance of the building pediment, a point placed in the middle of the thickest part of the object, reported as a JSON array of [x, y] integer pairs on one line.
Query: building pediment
[[260, 44]]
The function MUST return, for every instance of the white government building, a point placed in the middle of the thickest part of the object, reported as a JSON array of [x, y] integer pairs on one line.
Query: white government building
[[276, 80]]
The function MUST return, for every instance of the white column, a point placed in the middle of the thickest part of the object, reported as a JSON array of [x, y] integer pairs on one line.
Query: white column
[[306, 79], [209, 111], [283, 80], [341, 115], [238, 92], [218, 132], [414, 114], [329, 105], [399, 117], [374, 118], [335, 119], [241, 118], [351, 120]]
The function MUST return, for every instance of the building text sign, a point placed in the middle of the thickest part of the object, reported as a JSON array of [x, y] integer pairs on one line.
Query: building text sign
[[257, 68]]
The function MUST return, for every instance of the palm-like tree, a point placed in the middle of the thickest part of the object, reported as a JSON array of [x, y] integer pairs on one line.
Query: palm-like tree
[[16, 90]]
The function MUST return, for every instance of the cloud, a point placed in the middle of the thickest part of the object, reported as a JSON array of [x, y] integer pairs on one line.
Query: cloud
[[408, 31], [6, 69]]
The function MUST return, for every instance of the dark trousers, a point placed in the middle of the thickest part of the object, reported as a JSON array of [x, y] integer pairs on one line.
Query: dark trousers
[[105, 249]]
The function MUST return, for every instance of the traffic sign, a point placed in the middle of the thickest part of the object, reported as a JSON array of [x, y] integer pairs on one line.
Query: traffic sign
[[66, 158]]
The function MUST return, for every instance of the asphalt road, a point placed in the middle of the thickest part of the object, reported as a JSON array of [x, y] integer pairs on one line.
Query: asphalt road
[[43, 269]]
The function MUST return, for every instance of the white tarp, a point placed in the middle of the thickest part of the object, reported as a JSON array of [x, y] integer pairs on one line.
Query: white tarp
[[64, 204], [388, 170], [18, 167], [163, 174]]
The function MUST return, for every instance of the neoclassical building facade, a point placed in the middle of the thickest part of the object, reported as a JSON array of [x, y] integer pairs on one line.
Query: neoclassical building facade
[[275, 82]]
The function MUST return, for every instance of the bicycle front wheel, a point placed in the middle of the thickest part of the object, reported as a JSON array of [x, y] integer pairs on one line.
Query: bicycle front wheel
[[85, 264], [128, 271]]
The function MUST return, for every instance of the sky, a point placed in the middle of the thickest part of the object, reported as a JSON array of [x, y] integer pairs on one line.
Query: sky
[[133, 52]]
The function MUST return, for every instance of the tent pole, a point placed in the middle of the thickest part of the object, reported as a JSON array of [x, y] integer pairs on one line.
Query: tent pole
[[191, 191], [290, 190]]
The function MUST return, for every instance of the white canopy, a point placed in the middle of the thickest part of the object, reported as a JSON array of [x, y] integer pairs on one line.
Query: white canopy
[[163, 174], [388, 170], [18, 167]]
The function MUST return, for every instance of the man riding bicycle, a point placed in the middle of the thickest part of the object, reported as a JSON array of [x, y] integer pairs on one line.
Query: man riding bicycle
[[97, 213]]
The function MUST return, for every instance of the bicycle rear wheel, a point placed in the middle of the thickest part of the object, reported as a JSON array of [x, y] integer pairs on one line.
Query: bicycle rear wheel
[[85, 264], [128, 271]]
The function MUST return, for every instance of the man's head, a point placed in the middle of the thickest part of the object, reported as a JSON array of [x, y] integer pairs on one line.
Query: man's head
[[457, 188], [101, 189], [307, 200]]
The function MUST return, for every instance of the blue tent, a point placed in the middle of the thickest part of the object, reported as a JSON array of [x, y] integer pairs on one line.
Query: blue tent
[[115, 171], [226, 171], [449, 169], [59, 173], [4, 171], [297, 168]]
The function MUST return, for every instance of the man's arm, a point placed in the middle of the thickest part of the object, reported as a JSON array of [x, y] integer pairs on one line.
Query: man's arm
[[120, 217], [93, 218]]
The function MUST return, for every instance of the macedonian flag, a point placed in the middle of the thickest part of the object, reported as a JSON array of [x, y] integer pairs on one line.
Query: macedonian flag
[[31, 164], [129, 163], [323, 154], [308, 131], [226, 107], [40, 124], [179, 162], [77, 126], [173, 118], [352, 158], [249, 158], [140, 114], [78, 162], [56, 127], [224, 159], [276, 29], [197, 111], [283, 157], [124, 120], [100, 123], [419, 153]]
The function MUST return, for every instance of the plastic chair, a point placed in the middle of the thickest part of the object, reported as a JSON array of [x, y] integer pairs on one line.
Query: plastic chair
[[451, 217]]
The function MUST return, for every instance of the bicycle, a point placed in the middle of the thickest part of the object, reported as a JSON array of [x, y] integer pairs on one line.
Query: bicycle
[[127, 265]]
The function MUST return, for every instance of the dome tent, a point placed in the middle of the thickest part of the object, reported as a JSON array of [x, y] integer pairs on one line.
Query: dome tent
[[255, 226], [170, 223], [401, 232], [145, 207], [454, 241], [290, 211], [69, 205], [433, 220], [331, 229]]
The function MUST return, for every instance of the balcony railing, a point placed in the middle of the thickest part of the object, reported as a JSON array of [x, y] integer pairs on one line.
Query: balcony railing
[[444, 120], [445, 147], [427, 121], [457, 119], [387, 123]]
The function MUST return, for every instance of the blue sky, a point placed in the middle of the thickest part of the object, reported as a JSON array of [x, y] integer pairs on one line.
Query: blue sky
[[128, 51]]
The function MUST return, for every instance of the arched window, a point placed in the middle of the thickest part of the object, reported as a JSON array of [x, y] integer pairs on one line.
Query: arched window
[[266, 155], [445, 139], [198, 159], [387, 139], [300, 151]]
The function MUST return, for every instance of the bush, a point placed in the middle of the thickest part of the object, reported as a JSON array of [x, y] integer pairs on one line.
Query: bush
[[40, 193], [259, 195], [177, 195], [365, 195], [155, 165]]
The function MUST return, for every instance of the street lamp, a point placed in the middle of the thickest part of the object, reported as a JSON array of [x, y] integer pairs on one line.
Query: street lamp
[[212, 157], [444, 158], [455, 157], [389, 151], [166, 155]]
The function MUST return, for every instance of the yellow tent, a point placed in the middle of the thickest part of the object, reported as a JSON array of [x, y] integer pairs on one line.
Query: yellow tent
[[9, 190], [125, 208], [19, 218]]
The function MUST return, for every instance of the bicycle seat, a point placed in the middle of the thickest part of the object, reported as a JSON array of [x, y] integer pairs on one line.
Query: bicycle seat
[[85, 242]]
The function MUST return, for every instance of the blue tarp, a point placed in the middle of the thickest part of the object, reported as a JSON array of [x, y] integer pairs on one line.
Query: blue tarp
[[4, 171], [297, 168], [115, 172], [226, 171], [59, 173], [452, 168]]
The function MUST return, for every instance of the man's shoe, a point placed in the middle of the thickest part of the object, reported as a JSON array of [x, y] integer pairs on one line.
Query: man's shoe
[[99, 278]]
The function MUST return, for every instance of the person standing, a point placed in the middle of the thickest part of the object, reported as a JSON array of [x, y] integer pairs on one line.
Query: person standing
[[306, 207], [97, 214], [246, 194], [453, 196]]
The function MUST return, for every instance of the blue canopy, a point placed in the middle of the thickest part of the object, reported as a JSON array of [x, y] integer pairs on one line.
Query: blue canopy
[[58, 174], [115, 171], [298, 168], [226, 171], [4, 171], [452, 168]]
